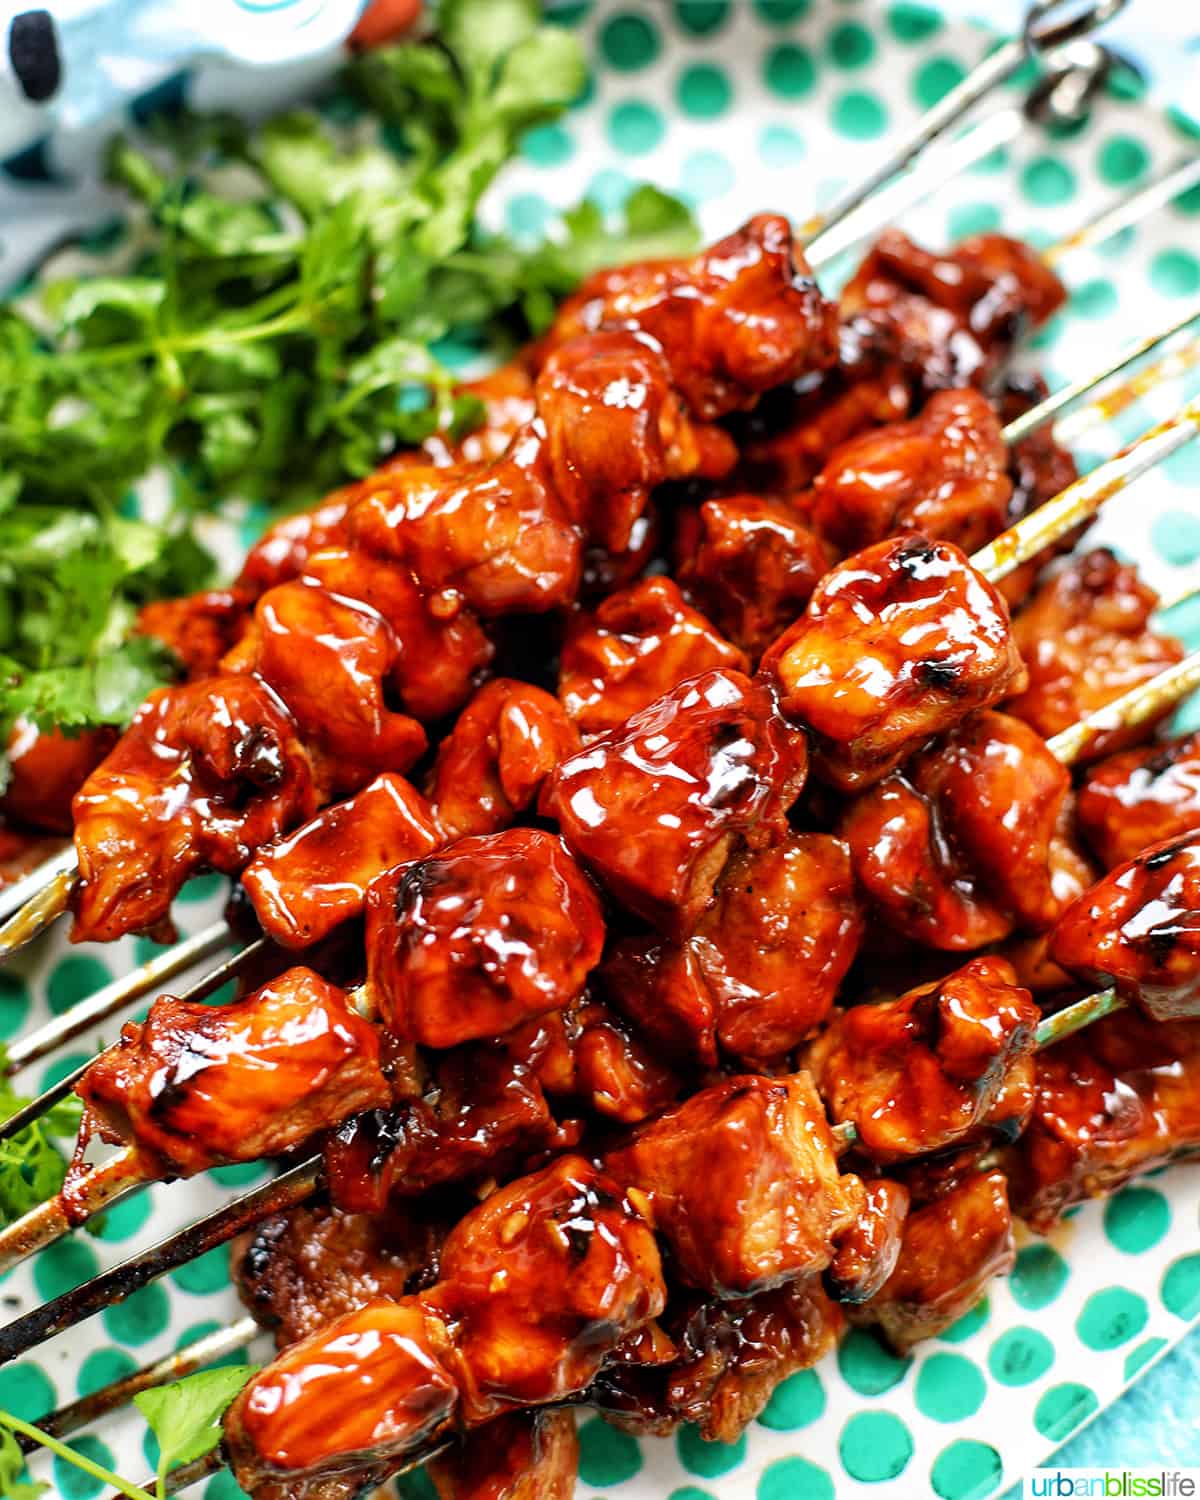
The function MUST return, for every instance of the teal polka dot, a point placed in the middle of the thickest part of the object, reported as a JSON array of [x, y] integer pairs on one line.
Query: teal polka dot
[[14, 1003], [1096, 298], [607, 1456], [1063, 1408], [1121, 160], [707, 1459], [123, 1220], [859, 116], [527, 215], [141, 1317], [202, 888], [1137, 1218], [26, 1391], [794, 1479], [609, 189], [795, 1402], [629, 42], [547, 145], [1046, 181], [703, 91], [1181, 1287], [1038, 1277], [238, 1175], [1183, 467], [1019, 1356], [1187, 203], [850, 46], [913, 23], [202, 1330], [1137, 1359], [706, 175], [571, 13], [255, 519], [702, 17], [635, 127], [150, 1450], [1111, 1317], [224, 1486], [966, 1470], [73, 979], [101, 1368], [1117, 245], [867, 1366], [782, 12], [690, 1492], [73, 1483], [105, 238], [875, 1446], [781, 146], [60, 1268], [972, 218], [789, 71], [969, 1324], [949, 1388], [416, 1485], [1126, 83], [61, 1067], [934, 79], [1175, 273], [207, 1273]]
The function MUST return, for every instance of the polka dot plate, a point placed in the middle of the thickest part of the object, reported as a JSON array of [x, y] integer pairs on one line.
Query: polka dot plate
[[742, 105]]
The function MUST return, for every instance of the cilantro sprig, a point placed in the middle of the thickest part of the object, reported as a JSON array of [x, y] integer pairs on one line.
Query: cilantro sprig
[[274, 331], [185, 1417], [32, 1166]]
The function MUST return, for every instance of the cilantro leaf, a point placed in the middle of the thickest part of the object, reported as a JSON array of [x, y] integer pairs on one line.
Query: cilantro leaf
[[15, 1483], [32, 1167], [270, 333], [185, 1416]]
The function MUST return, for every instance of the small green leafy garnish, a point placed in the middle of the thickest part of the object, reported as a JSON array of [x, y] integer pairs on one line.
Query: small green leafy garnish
[[12, 1463], [185, 1417], [15, 1483], [271, 329], [31, 1165]]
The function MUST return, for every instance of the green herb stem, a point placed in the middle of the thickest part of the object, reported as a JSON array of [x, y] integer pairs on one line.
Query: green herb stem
[[72, 1456]]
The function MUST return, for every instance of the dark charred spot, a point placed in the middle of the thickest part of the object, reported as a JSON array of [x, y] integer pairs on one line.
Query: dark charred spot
[[1162, 857], [1161, 943], [417, 881], [258, 758], [915, 555], [937, 674]]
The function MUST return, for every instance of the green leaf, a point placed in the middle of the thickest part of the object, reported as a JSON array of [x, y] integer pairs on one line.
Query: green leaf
[[538, 78], [185, 1417], [481, 32], [32, 1167], [15, 1483]]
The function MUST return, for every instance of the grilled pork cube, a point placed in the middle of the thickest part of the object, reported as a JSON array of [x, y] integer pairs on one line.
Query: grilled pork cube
[[1113, 1102], [205, 774], [898, 644], [197, 1086], [1140, 797], [1139, 929], [476, 939], [524, 1455], [952, 1248], [739, 318], [304, 885], [933, 1068], [491, 766], [1085, 638], [744, 1183], [944, 474], [653, 808], [638, 644], [868, 1250]]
